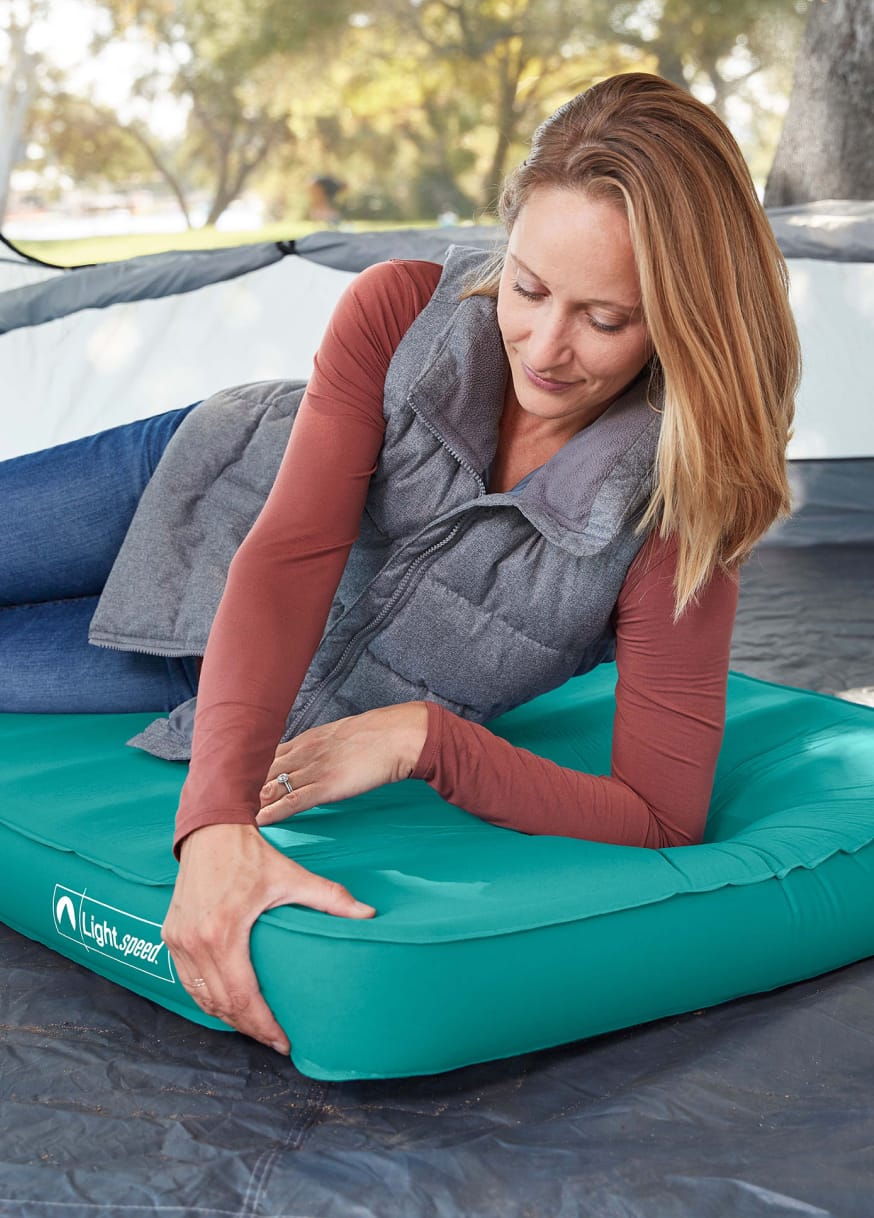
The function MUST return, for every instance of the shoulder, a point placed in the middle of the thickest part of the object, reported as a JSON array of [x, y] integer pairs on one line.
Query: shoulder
[[401, 286], [382, 302]]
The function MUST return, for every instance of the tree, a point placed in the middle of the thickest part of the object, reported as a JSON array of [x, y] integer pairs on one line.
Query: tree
[[486, 71], [714, 46], [86, 140], [223, 59], [826, 150], [19, 84]]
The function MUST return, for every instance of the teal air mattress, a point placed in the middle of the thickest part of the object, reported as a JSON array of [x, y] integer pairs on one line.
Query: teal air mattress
[[487, 942]]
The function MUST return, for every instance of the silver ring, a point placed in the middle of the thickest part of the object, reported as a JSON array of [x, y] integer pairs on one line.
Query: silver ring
[[283, 778], [197, 983]]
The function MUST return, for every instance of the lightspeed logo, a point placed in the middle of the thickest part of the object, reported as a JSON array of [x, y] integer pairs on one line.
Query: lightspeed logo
[[111, 932]]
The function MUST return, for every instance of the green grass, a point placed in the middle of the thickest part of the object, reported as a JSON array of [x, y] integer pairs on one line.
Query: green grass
[[110, 249], [82, 250]]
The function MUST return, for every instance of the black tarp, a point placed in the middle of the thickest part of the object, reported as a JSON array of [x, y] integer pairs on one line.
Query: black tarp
[[761, 1108]]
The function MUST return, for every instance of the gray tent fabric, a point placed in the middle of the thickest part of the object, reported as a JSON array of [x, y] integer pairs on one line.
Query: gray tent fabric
[[143, 278], [841, 230], [835, 230], [357, 251], [154, 275], [832, 504]]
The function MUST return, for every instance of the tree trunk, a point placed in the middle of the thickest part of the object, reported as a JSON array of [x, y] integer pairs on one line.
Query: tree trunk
[[670, 61], [825, 150], [17, 91], [506, 129], [163, 169]]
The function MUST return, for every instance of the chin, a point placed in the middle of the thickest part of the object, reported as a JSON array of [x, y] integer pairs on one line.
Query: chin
[[548, 405]]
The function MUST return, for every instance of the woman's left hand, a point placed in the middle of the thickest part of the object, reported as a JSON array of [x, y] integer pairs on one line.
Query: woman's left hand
[[345, 758]]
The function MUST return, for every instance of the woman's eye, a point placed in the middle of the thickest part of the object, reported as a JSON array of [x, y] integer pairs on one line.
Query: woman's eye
[[604, 328], [525, 293]]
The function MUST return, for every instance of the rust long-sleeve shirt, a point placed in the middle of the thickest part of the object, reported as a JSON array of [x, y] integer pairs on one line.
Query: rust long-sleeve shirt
[[670, 694]]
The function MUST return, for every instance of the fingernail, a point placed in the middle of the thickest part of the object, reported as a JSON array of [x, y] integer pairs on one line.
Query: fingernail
[[280, 1047], [361, 908]]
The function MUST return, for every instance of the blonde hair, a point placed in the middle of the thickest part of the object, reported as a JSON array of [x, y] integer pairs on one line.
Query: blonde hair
[[714, 290]]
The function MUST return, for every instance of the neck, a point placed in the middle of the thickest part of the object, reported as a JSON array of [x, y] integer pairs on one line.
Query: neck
[[524, 443], [530, 429]]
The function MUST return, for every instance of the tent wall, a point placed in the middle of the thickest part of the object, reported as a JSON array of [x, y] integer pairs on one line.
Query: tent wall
[[94, 347], [96, 368], [833, 303]]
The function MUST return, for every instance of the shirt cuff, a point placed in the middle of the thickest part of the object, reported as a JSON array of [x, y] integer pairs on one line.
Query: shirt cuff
[[426, 766]]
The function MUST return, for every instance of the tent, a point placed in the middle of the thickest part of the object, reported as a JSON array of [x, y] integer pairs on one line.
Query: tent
[[112, 1106], [85, 349]]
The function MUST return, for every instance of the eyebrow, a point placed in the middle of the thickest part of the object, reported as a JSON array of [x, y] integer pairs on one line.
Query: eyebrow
[[613, 304]]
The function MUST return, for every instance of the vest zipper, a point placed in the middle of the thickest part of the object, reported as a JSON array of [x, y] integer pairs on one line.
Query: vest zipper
[[437, 436], [165, 653], [361, 637], [321, 690]]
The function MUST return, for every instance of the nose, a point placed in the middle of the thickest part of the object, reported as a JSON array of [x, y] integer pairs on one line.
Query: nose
[[548, 346]]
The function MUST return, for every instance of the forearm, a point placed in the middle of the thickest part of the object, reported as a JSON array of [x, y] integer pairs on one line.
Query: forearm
[[254, 665], [474, 769], [276, 602], [667, 729]]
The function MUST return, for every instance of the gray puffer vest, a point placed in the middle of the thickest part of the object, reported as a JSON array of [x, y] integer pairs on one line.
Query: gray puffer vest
[[478, 601]]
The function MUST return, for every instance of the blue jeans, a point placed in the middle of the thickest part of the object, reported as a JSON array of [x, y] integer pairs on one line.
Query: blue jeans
[[63, 516]]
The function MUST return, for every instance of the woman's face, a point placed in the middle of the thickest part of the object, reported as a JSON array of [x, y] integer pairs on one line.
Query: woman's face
[[569, 307]]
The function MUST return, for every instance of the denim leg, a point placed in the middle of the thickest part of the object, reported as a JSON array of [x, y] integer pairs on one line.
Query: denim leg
[[64, 511], [47, 666]]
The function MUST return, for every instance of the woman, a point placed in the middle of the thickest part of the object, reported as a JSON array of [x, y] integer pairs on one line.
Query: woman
[[506, 473]]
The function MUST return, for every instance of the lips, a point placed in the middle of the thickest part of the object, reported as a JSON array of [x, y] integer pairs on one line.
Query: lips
[[546, 383]]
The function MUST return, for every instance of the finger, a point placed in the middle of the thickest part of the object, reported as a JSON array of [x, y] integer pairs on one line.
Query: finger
[[285, 762], [275, 789], [186, 971], [223, 984], [191, 972], [304, 795], [328, 896], [279, 809], [240, 1000], [278, 800], [281, 802]]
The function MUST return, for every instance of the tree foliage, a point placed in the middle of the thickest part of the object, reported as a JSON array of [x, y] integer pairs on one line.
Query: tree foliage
[[495, 68], [714, 46], [222, 59], [419, 106], [425, 104], [86, 139], [468, 80]]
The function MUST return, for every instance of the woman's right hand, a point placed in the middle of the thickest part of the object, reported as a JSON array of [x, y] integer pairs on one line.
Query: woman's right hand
[[228, 876]]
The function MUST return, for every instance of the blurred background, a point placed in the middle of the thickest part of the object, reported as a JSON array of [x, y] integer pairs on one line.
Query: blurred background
[[152, 124]]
